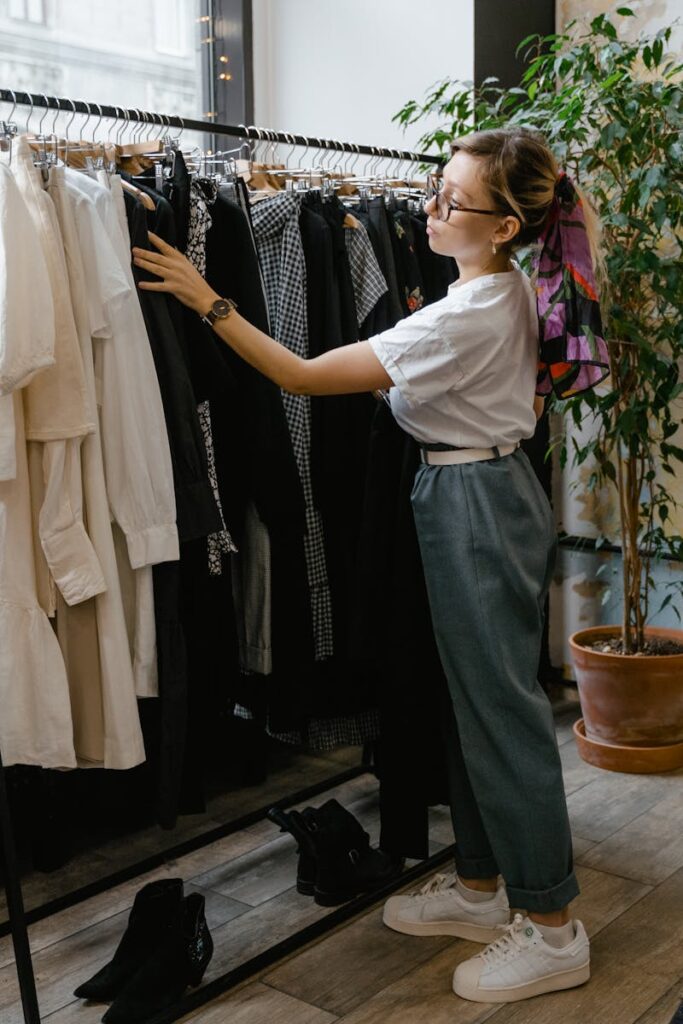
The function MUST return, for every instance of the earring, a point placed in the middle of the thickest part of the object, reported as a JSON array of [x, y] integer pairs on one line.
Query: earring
[[493, 248]]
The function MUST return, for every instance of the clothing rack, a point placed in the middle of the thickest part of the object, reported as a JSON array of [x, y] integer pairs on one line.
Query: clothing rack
[[18, 917], [241, 131]]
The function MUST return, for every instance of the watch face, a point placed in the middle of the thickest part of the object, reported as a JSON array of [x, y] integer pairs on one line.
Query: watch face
[[221, 308]]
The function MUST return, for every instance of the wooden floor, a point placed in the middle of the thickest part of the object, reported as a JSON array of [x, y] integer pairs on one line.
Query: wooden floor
[[628, 836]]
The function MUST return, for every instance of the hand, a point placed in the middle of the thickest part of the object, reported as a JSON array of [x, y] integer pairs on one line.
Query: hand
[[178, 275]]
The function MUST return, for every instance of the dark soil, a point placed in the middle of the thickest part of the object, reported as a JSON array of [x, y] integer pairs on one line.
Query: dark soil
[[653, 645]]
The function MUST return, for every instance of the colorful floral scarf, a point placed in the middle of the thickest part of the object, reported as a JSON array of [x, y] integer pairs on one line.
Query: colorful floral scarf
[[573, 354]]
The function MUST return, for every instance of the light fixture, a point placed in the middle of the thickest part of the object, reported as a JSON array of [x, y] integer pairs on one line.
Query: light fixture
[[223, 59], [204, 17], [224, 77], [209, 39]]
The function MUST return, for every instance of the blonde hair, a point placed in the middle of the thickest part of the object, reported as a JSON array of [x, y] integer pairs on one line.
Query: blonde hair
[[520, 172]]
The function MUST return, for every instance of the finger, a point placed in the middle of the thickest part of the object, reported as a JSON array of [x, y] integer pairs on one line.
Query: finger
[[149, 254], [161, 245], [154, 286], [151, 268]]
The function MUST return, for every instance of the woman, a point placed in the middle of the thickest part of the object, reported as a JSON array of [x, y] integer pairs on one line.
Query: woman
[[463, 373]]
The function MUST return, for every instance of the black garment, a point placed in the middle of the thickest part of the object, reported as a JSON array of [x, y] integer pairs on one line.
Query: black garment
[[378, 217], [405, 258], [259, 440], [340, 424], [393, 627], [392, 623], [196, 510]]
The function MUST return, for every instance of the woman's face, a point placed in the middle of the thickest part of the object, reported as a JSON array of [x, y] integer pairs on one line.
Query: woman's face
[[466, 236]]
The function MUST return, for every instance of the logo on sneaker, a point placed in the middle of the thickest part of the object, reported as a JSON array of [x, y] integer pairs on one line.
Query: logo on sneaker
[[528, 932]]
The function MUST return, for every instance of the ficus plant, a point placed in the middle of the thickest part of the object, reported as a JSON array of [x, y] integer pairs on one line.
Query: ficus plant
[[611, 109]]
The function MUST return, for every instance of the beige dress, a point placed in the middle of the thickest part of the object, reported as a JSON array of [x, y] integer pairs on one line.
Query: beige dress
[[35, 715], [93, 634]]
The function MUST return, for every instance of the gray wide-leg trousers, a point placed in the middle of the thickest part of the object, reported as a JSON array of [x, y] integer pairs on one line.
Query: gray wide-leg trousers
[[488, 547]]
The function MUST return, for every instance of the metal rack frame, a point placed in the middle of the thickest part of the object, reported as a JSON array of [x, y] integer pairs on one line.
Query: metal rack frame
[[19, 918], [250, 132]]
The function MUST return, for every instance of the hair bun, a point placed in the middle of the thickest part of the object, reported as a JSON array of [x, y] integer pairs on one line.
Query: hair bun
[[564, 188]]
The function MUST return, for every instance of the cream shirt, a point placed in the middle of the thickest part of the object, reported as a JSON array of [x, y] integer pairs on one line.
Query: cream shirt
[[464, 368]]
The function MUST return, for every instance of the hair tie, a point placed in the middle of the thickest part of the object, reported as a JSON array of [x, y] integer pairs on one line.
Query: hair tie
[[573, 354]]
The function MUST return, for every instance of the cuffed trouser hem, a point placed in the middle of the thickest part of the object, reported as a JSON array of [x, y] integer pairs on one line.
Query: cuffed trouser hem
[[475, 867], [546, 900]]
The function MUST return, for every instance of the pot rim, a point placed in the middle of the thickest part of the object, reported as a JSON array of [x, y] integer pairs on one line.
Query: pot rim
[[611, 630]]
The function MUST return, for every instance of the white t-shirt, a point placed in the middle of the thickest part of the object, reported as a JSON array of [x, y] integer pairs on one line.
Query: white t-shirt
[[464, 368]]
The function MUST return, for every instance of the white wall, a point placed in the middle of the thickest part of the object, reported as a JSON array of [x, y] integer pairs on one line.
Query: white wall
[[342, 70]]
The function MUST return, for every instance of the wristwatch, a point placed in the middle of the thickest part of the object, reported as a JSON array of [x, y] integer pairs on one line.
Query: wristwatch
[[220, 310]]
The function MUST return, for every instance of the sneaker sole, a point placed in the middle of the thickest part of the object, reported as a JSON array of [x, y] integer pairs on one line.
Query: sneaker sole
[[551, 983], [457, 929]]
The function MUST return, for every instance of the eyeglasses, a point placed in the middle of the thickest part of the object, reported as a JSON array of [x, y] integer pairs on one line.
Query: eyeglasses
[[444, 206]]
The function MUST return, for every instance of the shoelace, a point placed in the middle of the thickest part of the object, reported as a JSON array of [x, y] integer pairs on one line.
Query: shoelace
[[511, 941], [436, 885]]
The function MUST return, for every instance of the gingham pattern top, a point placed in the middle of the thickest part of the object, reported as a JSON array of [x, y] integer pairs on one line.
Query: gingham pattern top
[[276, 226], [369, 284]]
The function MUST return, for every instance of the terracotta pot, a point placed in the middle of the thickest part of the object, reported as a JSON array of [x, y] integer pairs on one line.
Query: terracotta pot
[[629, 701]]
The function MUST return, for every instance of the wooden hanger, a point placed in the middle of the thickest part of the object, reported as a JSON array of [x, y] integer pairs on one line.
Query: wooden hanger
[[144, 197]]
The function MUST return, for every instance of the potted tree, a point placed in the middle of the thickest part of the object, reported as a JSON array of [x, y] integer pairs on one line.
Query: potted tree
[[612, 110]]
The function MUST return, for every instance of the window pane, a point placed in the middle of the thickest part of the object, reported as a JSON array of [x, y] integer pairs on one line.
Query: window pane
[[35, 11], [133, 53], [17, 9]]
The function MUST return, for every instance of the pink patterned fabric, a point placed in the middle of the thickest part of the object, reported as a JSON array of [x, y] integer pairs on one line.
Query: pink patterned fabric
[[573, 353]]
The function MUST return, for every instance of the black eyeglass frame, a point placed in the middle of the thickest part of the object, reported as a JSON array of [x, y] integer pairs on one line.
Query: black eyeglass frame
[[444, 207]]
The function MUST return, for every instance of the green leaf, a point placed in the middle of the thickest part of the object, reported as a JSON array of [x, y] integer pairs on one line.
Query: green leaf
[[626, 12]]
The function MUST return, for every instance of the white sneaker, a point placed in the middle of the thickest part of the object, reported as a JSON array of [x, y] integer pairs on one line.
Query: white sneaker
[[439, 909], [521, 964]]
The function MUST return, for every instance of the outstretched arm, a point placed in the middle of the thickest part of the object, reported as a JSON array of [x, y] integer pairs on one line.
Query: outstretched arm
[[352, 368]]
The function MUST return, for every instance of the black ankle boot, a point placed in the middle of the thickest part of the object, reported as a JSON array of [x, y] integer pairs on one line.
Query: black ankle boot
[[306, 871], [346, 863], [180, 960], [155, 907]]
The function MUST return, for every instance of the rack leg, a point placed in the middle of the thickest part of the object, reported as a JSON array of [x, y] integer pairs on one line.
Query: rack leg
[[15, 906]]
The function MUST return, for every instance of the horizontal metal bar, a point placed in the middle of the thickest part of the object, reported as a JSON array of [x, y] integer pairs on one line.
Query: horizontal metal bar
[[156, 860], [237, 131], [225, 982], [590, 544]]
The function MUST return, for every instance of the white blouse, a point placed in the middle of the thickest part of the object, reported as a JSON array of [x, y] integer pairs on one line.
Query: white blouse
[[464, 368]]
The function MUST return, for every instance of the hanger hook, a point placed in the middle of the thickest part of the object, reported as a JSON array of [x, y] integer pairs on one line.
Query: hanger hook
[[14, 104], [255, 153], [119, 117], [99, 121], [47, 107], [54, 119], [161, 131], [69, 123], [87, 118], [30, 113]]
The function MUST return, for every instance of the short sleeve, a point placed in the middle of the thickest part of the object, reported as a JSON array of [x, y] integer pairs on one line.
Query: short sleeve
[[420, 356]]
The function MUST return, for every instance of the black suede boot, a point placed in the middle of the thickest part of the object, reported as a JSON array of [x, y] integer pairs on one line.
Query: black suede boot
[[307, 869], [155, 907], [346, 863], [180, 960]]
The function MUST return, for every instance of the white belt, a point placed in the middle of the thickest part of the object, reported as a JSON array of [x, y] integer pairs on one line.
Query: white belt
[[461, 455]]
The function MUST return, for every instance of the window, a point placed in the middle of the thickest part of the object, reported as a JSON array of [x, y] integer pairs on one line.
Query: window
[[139, 55], [170, 26], [28, 10]]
